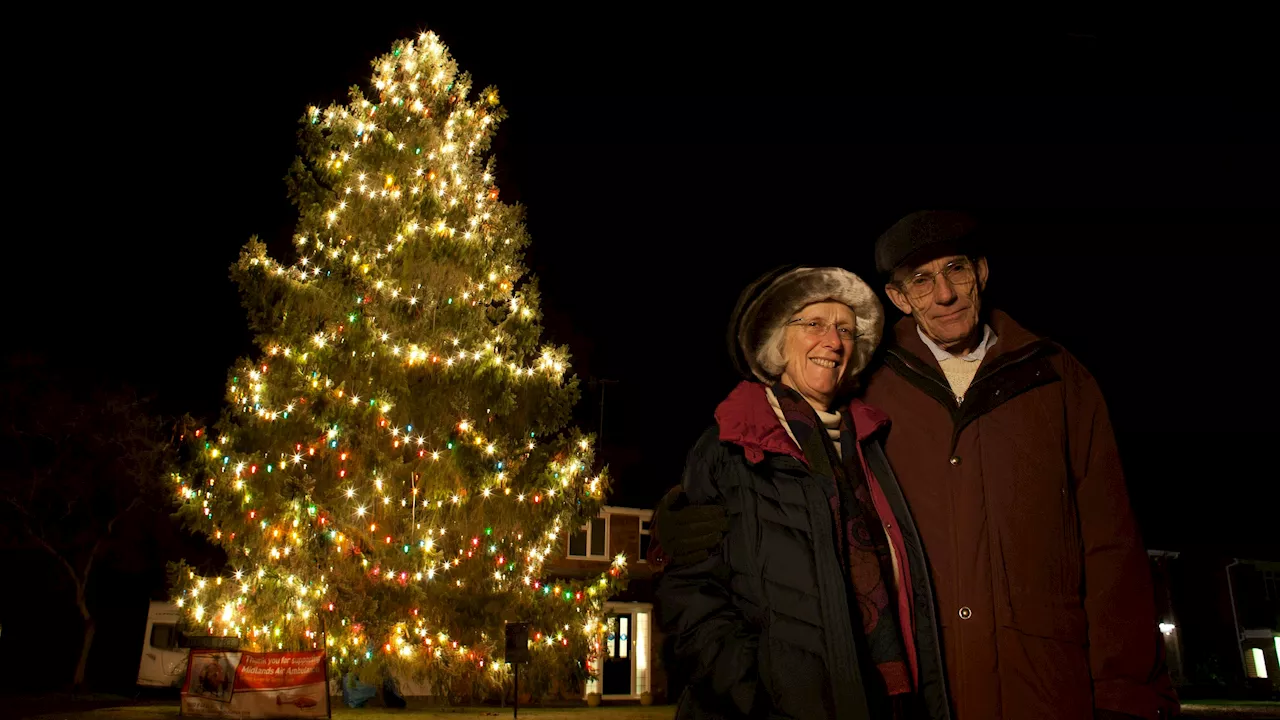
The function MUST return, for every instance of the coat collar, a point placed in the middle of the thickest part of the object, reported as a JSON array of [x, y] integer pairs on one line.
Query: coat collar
[[746, 419], [1010, 337]]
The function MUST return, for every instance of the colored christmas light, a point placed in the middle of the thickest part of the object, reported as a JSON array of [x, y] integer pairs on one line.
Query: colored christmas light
[[352, 534]]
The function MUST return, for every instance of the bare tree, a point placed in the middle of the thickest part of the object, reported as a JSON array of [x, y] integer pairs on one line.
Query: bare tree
[[79, 464]]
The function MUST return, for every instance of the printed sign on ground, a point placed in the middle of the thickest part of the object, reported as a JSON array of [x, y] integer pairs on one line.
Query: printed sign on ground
[[255, 685]]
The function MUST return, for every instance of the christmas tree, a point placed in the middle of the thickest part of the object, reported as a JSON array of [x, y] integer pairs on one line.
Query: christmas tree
[[393, 470]]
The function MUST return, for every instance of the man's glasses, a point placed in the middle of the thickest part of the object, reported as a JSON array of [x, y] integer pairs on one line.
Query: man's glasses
[[959, 273]]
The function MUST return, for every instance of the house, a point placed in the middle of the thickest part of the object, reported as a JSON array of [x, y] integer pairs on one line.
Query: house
[[631, 663], [1220, 620]]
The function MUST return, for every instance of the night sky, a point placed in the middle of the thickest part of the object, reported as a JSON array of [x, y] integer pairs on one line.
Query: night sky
[[665, 161]]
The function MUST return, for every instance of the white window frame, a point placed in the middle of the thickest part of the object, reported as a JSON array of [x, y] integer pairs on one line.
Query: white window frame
[[587, 529]]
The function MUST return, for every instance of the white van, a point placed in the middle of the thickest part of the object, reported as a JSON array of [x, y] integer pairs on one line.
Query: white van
[[164, 653], [164, 661]]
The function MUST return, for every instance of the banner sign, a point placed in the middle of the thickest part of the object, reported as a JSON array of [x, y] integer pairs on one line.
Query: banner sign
[[228, 684]]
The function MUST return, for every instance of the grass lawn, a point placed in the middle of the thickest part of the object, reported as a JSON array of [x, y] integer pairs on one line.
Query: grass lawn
[[1234, 703], [1193, 710], [1230, 709], [341, 712]]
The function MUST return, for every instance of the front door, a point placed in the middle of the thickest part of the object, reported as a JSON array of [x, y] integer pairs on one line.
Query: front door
[[617, 655]]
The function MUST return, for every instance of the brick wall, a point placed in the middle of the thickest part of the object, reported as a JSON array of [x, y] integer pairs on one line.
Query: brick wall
[[624, 537]]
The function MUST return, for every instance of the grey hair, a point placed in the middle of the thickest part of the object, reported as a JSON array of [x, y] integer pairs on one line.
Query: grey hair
[[759, 328], [772, 357]]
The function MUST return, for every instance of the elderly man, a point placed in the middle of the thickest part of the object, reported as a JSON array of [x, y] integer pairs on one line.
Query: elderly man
[[1004, 452]]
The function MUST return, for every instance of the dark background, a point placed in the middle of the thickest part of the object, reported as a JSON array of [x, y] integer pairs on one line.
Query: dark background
[[1127, 172]]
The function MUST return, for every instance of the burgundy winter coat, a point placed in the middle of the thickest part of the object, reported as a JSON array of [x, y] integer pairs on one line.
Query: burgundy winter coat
[[1043, 588]]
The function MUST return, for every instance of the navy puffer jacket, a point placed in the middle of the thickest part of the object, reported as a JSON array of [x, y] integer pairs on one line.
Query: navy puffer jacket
[[763, 628]]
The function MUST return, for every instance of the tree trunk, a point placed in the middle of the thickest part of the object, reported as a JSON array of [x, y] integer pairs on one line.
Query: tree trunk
[[89, 629]]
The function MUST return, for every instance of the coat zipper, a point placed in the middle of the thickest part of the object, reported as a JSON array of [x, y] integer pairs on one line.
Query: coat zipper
[[909, 520], [819, 508], [911, 366], [1026, 355]]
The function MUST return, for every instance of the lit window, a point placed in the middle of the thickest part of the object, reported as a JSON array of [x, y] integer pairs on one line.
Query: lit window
[[642, 652], [1255, 663], [624, 635]]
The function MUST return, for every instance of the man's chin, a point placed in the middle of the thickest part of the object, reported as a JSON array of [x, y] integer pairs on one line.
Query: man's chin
[[949, 340]]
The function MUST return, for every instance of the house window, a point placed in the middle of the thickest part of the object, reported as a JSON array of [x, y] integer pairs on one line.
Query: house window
[[589, 540], [642, 652], [645, 539], [1271, 584], [1255, 663]]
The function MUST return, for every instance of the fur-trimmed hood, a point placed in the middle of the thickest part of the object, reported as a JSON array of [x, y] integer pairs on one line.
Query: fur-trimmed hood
[[767, 303]]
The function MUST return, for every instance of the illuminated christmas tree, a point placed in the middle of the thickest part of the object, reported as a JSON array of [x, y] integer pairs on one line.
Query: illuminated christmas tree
[[393, 467]]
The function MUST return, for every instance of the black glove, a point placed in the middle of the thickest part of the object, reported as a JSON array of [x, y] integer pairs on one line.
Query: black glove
[[687, 533]]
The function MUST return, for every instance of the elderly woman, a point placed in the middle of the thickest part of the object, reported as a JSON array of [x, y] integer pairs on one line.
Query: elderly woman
[[816, 603]]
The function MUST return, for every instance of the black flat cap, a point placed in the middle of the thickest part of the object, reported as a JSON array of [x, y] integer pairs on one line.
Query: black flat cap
[[922, 230]]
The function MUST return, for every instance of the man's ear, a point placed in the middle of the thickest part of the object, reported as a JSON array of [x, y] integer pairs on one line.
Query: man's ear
[[983, 270], [899, 298]]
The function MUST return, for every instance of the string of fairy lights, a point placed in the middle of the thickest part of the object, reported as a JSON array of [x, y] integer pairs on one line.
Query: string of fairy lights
[[329, 499]]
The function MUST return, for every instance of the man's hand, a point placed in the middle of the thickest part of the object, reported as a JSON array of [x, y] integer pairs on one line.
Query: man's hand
[[687, 533]]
